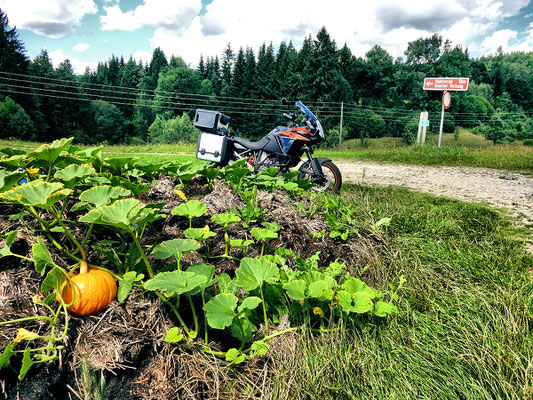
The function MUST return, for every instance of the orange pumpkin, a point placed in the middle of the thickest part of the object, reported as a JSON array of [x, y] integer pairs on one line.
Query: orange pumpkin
[[95, 289]]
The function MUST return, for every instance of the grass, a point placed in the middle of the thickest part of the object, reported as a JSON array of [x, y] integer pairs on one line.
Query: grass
[[474, 152], [464, 330]]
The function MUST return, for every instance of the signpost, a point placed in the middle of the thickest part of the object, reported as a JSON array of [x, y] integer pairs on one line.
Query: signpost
[[446, 85]]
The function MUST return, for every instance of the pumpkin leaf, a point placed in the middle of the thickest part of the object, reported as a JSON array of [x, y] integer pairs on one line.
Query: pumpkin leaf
[[101, 195], [316, 289], [173, 335], [73, 174], [27, 362], [124, 214], [260, 347], [174, 248], [6, 250], [9, 179], [187, 171], [220, 310], [51, 152], [225, 219], [253, 272], [41, 256], [354, 285], [296, 289], [6, 354], [199, 233], [384, 308], [234, 356], [190, 209], [36, 193], [362, 302], [175, 282], [126, 284], [240, 244], [249, 303], [204, 270], [53, 280], [242, 329], [226, 284], [263, 234]]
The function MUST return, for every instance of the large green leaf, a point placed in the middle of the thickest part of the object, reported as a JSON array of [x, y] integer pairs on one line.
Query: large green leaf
[[220, 310], [175, 282], [354, 285], [9, 179], [296, 289], [253, 272], [225, 219], [73, 174], [190, 209], [51, 152], [199, 233], [41, 257], [359, 302], [249, 303], [187, 171], [36, 193], [53, 280], [204, 270], [101, 195], [384, 308], [124, 214], [263, 234], [174, 248]]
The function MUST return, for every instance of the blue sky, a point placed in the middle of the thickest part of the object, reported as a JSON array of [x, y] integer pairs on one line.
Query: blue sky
[[88, 31]]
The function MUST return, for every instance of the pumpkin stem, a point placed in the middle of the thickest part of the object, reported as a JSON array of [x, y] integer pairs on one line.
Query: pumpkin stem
[[83, 267]]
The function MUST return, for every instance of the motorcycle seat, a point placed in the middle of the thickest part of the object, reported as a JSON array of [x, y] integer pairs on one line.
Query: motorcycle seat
[[252, 145]]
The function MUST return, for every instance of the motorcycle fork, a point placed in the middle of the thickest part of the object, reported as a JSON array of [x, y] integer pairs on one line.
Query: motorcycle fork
[[314, 163]]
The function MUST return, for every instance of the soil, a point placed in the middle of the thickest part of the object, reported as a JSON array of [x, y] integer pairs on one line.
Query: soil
[[125, 342]]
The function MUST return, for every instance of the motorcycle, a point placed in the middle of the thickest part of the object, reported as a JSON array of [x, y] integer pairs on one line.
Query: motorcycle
[[282, 148]]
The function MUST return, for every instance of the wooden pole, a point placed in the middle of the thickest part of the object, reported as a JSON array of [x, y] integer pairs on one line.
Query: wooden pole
[[419, 134]]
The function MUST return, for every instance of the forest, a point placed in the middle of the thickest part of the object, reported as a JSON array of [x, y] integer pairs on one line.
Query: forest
[[123, 101]]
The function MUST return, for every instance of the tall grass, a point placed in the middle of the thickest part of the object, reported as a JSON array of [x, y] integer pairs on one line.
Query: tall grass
[[465, 327]]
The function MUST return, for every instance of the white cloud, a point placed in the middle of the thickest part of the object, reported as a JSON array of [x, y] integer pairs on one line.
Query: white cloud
[[172, 15], [179, 30], [81, 47], [50, 18], [143, 56], [58, 56], [508, 40]]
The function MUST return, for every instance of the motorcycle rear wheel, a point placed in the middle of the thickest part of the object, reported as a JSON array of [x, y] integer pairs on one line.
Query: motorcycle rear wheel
[[330, 182]]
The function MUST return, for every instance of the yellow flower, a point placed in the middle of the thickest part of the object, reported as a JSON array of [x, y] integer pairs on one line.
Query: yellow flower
[[206, 229], [181, 194], [24, 334], [318, 311], [33, 171]]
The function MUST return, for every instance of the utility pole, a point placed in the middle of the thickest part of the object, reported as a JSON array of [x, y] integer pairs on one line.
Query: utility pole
[[340, 127]]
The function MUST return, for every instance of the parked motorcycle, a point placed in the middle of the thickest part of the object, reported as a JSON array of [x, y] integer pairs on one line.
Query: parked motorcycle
[[282, 148]]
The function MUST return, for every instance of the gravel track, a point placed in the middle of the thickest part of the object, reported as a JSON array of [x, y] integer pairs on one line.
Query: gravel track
[[511, 191]]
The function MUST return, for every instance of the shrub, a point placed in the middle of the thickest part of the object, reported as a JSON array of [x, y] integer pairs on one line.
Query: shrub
[[14, 122], [528, 142], [172, 130]]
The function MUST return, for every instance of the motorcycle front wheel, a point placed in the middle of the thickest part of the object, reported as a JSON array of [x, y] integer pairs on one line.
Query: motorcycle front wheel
[[331, 181]]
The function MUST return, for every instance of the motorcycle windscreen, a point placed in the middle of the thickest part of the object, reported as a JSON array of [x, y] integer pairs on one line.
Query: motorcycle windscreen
[[211, 147]]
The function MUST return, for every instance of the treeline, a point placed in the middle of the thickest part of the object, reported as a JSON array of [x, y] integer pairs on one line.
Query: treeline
[[125, 101]]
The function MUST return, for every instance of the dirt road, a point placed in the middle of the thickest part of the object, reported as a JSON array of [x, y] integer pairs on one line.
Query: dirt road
[[511, 191]]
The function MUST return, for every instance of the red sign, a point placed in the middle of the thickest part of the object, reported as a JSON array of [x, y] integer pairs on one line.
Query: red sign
[[459, 84], [446, 99]]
